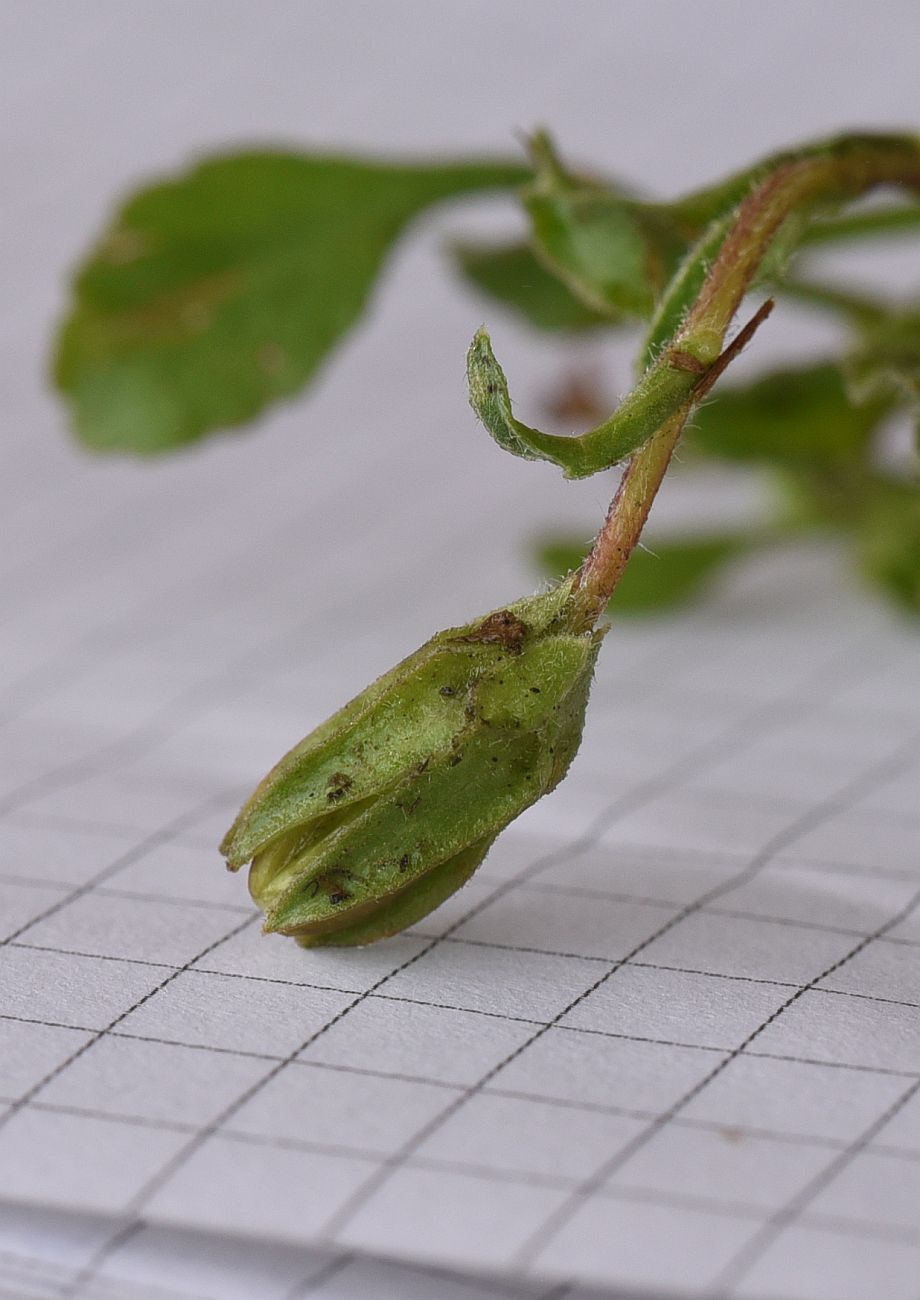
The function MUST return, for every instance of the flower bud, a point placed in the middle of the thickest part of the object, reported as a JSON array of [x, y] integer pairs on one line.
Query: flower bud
[[389, 807]]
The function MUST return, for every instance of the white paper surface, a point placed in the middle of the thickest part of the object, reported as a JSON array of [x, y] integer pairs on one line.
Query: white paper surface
[[666, 1040]]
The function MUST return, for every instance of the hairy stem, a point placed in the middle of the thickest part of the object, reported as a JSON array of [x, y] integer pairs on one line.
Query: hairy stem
[[641, 480], [846, 170]]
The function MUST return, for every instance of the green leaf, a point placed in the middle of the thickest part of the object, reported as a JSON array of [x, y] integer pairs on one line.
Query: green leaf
[[216, 293], [888, 542], [511, 274], [875, 222], [614, 252], [887, 361], [661, 392], [800, 417], [670, 574]]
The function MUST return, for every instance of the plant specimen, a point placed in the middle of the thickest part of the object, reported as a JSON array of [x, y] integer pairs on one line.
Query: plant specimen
[[216, 293]]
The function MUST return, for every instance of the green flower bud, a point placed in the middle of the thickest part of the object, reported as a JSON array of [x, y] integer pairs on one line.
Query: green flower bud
[[389, 807]]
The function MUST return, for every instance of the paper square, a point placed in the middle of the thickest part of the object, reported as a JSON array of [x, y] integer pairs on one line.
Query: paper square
[[277, 957], [365, 1113], [812, 1263], [139, 929], [21, 904], [902, 1132], [677, 1006], [641, 872], [454, 1219], [757, 949], [530, 986], [30, 1051], [233, 1185], [645, 1245], [840, 900], [526, 1139], [61, 988], [860, 838], [849, 1031], [703, 821], [873, 1188], [795, 1098], [66, 856], [238, 1015], [71, 1160], [155, 1081], [594, 1070], [586, 926], [181, 871], [881, 969], [723, 1166], [409, 1038]]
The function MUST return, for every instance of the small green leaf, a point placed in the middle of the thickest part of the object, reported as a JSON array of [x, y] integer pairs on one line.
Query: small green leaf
[[512, 274], [490, 399], [214, 294], [668, 575], [662, 391], [800, 417], [614, 252]]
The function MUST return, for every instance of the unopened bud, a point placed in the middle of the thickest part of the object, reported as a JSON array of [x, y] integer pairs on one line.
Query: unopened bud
[[389, 807]]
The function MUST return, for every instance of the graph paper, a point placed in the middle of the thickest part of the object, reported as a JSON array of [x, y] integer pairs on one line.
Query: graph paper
[[666, 1042]]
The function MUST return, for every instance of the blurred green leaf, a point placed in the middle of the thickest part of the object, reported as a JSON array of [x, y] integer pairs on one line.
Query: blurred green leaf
[[669, 574], [221, 291], [888, 359], [511, 274], [888, 541], [873, 223], [614, 252], [795, 417]]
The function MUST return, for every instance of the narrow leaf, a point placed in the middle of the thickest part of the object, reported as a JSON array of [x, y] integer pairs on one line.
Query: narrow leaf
[[660, 394], [615, 252], [511, 274], [216, 293], [873, 223]]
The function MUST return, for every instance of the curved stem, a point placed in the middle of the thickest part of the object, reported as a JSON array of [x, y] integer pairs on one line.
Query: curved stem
[[845, 171], [639, 485]]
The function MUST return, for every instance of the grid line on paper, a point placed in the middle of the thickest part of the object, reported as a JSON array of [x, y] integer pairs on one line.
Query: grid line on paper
[[573, 1029], [152, 841], [738, 734], [36, 1088], [106, 574], [547, 1230], [632, 1112], [341, 1218], [741, 1264], [602, 822]]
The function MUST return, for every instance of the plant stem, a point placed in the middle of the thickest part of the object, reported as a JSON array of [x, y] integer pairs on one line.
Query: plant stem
[[639, 485], [846, 170]]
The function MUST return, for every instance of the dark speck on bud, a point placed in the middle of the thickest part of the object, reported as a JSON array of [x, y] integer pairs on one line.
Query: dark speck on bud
[[374, 796]]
